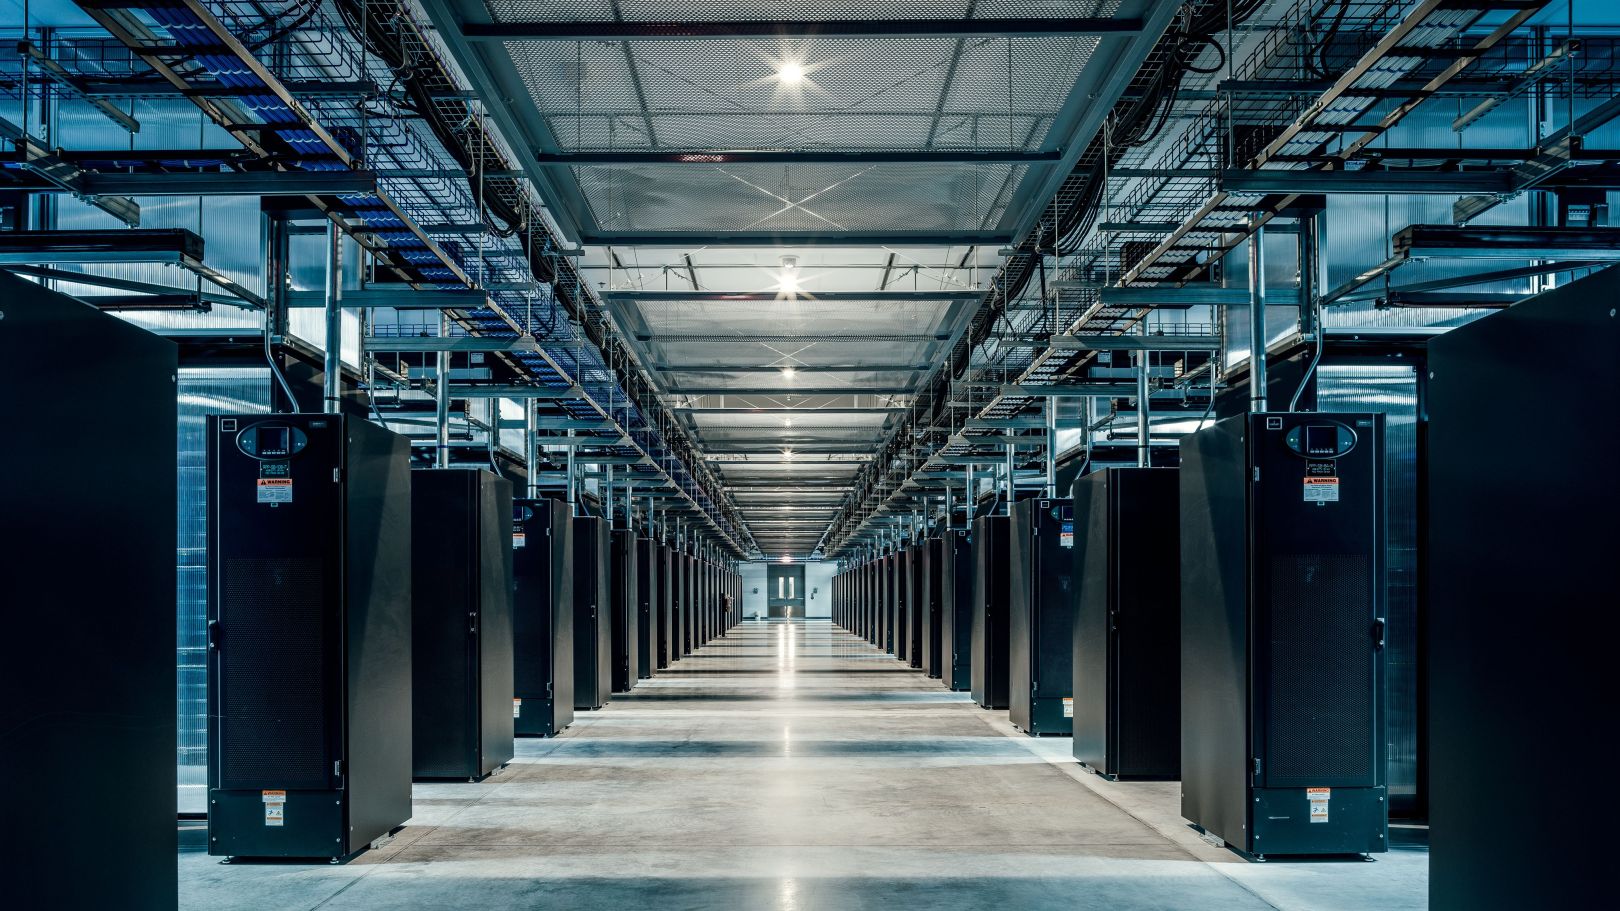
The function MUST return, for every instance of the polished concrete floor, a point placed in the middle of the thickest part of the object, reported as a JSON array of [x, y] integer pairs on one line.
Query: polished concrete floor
[[793, 766]]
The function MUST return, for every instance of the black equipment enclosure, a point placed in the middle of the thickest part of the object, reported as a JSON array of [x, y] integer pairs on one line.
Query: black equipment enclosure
[[461, 623], [933, 595], [992, 594], [542, 617], [667, 635], [647, 599], [87, 660], [626, 611], [1520, 645], [1127, 632], [956, 611], [1040, 616], [593, 624], [1282, 641], [912, 630], [309, 627], [891, 602], [902, 603]]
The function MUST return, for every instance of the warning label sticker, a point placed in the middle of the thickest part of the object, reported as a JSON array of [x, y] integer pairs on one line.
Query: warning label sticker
[[275, 807], [1066, 536], [275, 490], [1319, 799], [517, 707], [1068, 706], [519, 539], [1321, 490]]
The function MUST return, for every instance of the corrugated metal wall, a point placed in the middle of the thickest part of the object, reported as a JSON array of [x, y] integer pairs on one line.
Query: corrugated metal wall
[[203, 391]]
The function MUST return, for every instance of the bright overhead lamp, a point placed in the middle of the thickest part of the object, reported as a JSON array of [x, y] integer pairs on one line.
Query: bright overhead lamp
[[788, 373], [790, 72]]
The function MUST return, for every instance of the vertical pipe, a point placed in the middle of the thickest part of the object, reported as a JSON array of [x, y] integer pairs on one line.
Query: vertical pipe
[[1310, 265], [1051, 448], [947, 508], [1012, 488], [275, 295], [332, 382], [1143, 458], [573, 480], [1257, 319], [492, 412], [441, 400], [531, 451], [968, 504], [607, 498]]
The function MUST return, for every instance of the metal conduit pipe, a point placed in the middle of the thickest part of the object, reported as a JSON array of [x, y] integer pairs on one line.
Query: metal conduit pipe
[[1142, 456], [441, 400], [332, 363], [1257, 317], [1051, 448], [1011, 488], [275, 299], [531, 452], [573, 482]]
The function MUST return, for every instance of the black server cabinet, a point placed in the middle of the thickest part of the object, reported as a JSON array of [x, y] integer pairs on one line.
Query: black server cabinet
[[868, 602], [891, 602], [704, 601], [88, 489], [461, 623], [593, 623], [666, 606], [688, 603], [933, 594], [542, 617], [626, 611], [647, 598], [916, 606], [902, 604], [881, 598], [677, 605], [1522, 525], [694, 585], [1040, 617], [309, 619], [992, 592], [956, 611], [1127, 633], [1281, 641]]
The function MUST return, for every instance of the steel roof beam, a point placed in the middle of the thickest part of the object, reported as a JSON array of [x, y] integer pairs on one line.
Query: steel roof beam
[[708, 157], [687, 297], [767, 238], [690, 338], [459, 344], [814, 390], [402, 297], [986, 27], [797, 368], [1133, 343], [775, 409], [1374, 181]]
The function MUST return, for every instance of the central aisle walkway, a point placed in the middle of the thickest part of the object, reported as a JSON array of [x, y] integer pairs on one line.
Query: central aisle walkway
[[790, 766]]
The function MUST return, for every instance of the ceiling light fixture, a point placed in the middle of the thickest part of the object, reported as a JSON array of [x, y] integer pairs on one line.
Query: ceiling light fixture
[[788, 373], [789, 72]]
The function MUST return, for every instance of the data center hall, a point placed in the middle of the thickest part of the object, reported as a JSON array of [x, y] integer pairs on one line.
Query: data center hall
[[808, 454]]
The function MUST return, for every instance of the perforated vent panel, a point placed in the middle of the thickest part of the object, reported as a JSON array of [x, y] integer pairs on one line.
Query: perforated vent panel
[[273, 675], [1319, 713]]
